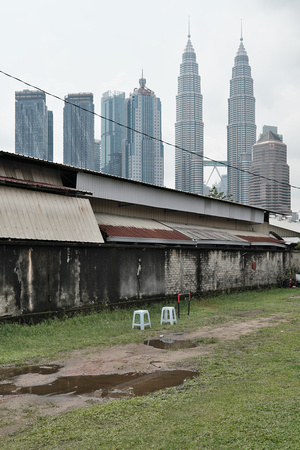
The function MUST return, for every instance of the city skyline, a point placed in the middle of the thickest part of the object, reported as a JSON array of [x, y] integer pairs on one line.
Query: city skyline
[[111, 57], [78, 118]]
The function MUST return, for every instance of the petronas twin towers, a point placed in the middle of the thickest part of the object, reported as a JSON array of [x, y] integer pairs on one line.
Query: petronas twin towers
[[189, 125], [241, 129]]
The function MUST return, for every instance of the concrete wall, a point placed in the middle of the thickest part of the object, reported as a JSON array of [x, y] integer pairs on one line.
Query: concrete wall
[[211, 270], [47, 278]]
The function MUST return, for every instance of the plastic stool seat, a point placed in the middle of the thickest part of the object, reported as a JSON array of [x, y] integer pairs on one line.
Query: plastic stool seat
[[168, 315], [141, 318]]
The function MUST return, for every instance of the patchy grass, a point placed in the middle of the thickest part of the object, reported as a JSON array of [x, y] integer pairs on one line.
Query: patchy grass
[[23, 343], [206, 340], [247, 394]]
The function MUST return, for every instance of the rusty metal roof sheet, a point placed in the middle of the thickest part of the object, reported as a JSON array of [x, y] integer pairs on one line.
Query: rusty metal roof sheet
[[261, 239], [200, 234], [205, 235], [34, 215], [141, 233], [133, 229]]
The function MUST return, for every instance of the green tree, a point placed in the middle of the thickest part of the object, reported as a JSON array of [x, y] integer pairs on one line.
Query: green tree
[[214, 193]]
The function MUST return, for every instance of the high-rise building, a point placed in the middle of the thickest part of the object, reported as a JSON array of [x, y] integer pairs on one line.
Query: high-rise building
[[241, 129], [189, 125], [33, 125], [50, 135], [79, 142], [97, 154], [112, 108], [270, 128], [143, 156], [269, 187]]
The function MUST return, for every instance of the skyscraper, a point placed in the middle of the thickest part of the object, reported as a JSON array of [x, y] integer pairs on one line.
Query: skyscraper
[[97, 155], [241, 129], [79, 142], [50, 135], [33, 125], [270, 187], [189, 125], [112, 107], [143, 157]]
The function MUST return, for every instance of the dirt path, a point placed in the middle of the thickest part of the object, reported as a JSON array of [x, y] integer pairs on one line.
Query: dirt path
[[118, 360]]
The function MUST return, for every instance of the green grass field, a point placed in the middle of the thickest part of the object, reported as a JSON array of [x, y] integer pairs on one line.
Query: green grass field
[[246, 396]]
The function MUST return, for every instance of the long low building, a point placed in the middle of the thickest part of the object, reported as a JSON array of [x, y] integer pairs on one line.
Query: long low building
[[73, 238]]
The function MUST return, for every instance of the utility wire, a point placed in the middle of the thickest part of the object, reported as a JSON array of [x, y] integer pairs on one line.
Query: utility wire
[[146, 134]]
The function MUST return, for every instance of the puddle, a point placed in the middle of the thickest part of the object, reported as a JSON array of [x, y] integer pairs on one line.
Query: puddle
[[112, 386], [170, 343], [24, 370]]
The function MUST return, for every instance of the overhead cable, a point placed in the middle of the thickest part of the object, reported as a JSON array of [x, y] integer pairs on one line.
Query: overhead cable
[[225, 164]]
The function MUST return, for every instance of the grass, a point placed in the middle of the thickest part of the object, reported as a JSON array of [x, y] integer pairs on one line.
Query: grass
[[247, 394]]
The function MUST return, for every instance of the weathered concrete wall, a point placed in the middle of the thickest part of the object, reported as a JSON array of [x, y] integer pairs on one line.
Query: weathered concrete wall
[[49, 278], [209, 270]]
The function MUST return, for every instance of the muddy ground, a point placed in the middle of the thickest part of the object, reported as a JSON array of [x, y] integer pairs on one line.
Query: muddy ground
[[118, 360]]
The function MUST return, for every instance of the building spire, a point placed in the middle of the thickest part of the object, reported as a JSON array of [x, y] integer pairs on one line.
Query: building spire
[[241, 30], [142, 80], [189, 28]]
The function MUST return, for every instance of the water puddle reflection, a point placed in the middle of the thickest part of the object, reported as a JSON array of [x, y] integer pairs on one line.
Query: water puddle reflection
[[170, 343], [112, 385]]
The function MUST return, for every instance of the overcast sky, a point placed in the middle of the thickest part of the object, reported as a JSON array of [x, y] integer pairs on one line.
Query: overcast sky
[[71, 46]]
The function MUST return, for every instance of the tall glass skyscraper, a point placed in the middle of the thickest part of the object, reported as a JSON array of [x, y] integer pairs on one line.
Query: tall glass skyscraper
[[79, 131], [143, 157], [112, 107], [270, 186], [189, 125], [33, 125], [241, 129]]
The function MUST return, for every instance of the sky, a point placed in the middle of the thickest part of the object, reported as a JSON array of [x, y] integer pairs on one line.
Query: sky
[[70, 46]]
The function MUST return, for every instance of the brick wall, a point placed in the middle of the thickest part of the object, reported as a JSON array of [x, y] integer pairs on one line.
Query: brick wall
[[201, 270], [41, 279]]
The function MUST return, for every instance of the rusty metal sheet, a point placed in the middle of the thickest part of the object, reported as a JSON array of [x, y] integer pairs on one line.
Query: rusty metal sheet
[[199, 233], [121, 228], [261, 239]]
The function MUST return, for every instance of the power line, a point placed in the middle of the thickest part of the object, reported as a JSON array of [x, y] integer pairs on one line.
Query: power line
[[147, 135]]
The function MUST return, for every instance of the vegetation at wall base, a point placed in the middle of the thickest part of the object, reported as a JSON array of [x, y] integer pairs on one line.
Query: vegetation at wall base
[[246, 396]]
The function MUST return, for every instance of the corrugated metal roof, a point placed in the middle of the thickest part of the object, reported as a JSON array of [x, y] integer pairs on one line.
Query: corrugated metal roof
[[144, 233], [200, 234], [132, 229], [125, 221], [126, 191], [262, 240], [34, 215], [23, 170]]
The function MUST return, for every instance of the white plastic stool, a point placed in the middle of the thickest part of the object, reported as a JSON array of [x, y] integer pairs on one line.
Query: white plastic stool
[[143, 319], [168, 315]]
